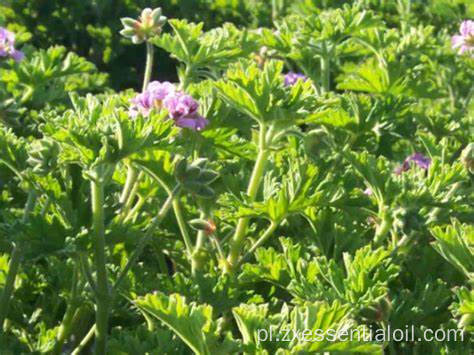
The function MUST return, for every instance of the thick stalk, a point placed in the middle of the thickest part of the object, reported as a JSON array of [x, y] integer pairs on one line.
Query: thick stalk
[[133, 258], [254, 184], [102, 297], [325, 68], [149, 65]]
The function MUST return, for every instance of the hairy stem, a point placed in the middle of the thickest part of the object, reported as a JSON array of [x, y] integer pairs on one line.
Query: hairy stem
[[134, 211], [325, 68], [196, 262], [131, 197], [385, 226], [182, 226], [267, 234], [149, 65], [103, 296], [133, 258], [129, 183], [186, 79], [237, 241]]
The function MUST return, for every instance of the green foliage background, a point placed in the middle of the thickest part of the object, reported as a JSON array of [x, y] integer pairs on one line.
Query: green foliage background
[[319, 252], [89, 27]]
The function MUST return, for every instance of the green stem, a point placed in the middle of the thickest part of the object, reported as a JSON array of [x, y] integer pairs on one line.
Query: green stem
[[325, 68], [102, 297], [385, 226], [90, 334], [30, 203], [254, 184], [187, 76], [133, 259], [129, 183], [134, 211], [145, 239], [13, 267], [267, 234], [133, 193], [65, 327], [196, 261], [149, 65], [182, 226], [218, 248], [87, 272]]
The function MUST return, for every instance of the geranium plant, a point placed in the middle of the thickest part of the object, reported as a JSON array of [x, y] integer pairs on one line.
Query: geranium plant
[[311, 177]]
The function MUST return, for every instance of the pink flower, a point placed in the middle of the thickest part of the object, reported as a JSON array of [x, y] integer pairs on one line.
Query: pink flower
[[159, 90], [417, 158], [182, 108], [465, 41], [180, 105], [292, 78], [196, 123], [142, 104], [7, 45]]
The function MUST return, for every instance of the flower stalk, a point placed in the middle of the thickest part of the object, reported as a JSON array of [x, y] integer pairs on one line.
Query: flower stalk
[[182, 226], [196, 258], [325, 68], [149, 65], [384, 227], [238, 239], [132, 260], [267, 234], [102, 284]]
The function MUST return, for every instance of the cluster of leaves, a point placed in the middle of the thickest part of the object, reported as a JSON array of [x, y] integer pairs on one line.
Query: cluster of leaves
[[298, 208]]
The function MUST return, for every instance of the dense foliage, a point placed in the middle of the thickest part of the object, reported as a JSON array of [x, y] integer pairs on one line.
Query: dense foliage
[[311, 167]]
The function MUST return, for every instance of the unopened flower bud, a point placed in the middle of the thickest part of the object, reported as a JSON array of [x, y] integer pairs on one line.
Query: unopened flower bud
[[207, 226], [146, 27]]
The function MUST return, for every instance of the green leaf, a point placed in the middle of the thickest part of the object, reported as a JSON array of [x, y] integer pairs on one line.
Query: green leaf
[[193, 323], [312, 324], [456, 244]]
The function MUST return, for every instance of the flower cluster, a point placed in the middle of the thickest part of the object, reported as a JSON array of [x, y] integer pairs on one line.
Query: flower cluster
[[149, 25], [7, 45], [292, 78], [417, 158], [183, 109], [465, 41]]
